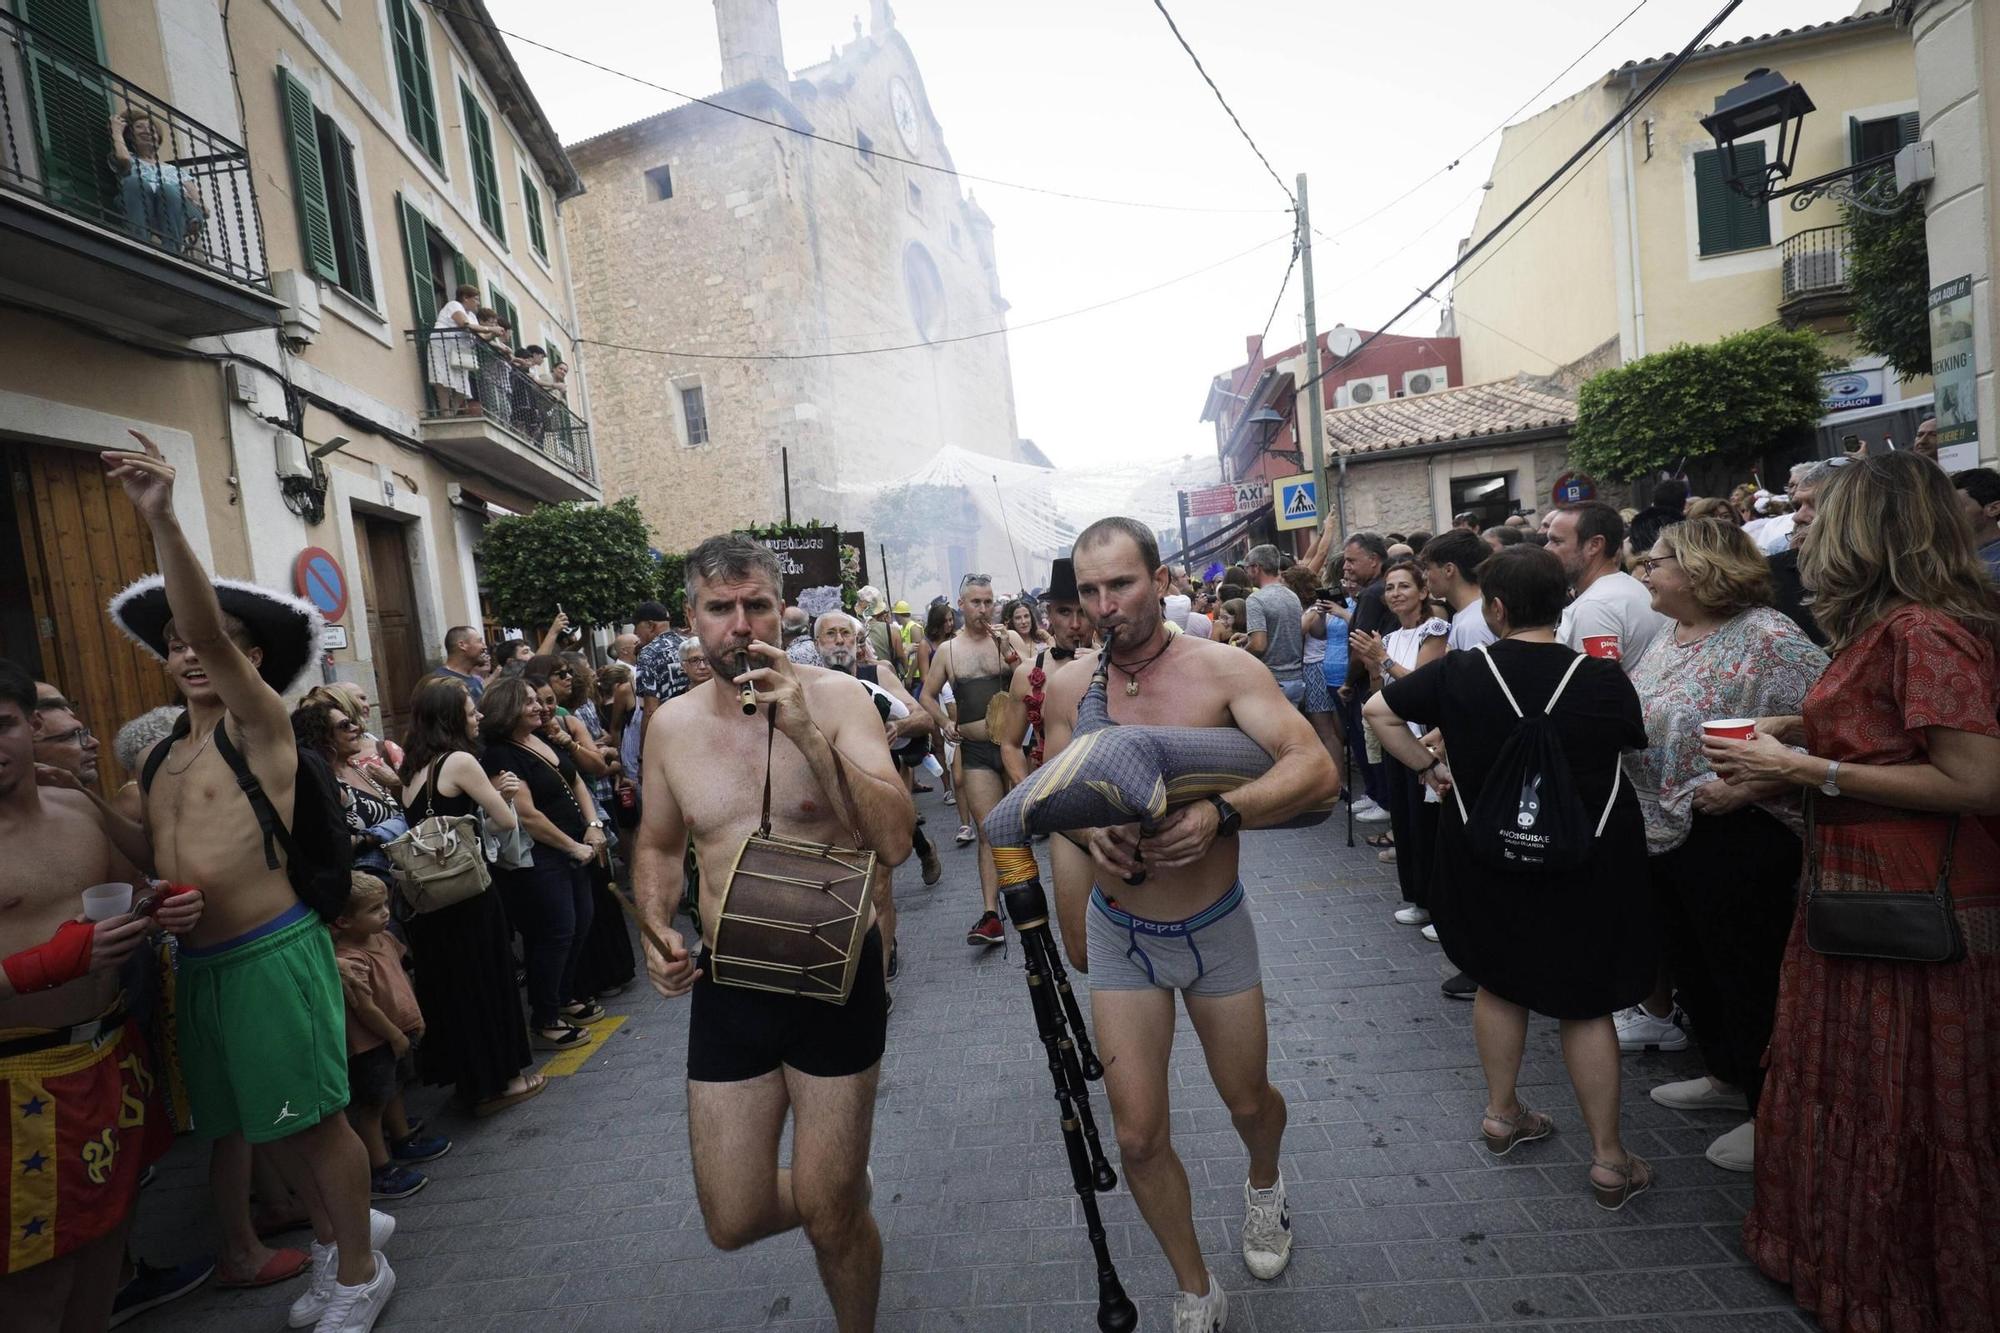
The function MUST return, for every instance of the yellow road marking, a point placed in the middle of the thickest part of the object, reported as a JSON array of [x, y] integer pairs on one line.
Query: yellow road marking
[[571, 1060]]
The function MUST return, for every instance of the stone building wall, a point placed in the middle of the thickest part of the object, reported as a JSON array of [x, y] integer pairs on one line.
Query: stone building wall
[[773, 242]]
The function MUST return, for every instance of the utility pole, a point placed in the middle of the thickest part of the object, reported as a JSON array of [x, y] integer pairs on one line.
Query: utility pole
[[1315, 406], [1187, 560]]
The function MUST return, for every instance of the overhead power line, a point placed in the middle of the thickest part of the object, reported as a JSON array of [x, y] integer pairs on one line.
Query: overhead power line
[[1505, 121], [936, 342], [445, 6], [1284, 285], [1587, 149], [1233, 118]]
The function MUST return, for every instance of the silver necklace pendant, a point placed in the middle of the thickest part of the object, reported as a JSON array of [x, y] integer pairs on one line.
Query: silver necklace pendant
[[1132, 688]]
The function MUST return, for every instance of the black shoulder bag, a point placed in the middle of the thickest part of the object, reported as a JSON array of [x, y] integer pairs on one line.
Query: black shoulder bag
[[1885, 927]]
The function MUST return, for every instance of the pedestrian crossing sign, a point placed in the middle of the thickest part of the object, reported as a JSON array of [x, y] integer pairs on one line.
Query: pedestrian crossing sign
[[1296, 501]]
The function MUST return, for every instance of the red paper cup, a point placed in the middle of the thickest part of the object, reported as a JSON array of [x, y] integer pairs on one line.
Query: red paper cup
[[1730, 728], [1602, 645]]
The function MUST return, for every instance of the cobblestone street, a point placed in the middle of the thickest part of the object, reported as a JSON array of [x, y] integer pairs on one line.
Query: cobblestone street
[[576, 1211]]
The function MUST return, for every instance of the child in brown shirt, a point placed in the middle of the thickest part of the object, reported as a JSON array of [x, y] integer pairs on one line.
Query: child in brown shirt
[[384, 1026]]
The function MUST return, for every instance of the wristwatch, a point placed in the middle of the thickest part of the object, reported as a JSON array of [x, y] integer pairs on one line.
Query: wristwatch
[[595, 823], [1230, 819], [1830, 784]]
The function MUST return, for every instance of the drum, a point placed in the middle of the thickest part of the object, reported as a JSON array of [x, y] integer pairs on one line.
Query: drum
[[792, 918]]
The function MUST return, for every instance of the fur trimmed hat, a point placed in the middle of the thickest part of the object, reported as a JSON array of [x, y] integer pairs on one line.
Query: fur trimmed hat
[[289, 629]]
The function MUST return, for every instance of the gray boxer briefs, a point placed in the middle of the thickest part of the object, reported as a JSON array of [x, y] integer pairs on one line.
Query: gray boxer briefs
[[1212, 953]]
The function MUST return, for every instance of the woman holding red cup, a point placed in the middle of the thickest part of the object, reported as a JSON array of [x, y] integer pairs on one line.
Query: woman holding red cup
[[1723, 859]]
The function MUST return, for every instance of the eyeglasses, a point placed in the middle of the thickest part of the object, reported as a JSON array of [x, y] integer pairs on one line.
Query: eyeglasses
[[77, 735], [346, 725], [1648, 564]]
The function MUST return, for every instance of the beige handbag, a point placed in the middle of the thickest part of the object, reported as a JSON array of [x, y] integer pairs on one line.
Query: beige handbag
[[442, 859]]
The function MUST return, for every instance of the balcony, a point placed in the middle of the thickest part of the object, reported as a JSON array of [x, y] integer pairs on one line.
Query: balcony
[[484, 412], [1813, 276], [158, 230]]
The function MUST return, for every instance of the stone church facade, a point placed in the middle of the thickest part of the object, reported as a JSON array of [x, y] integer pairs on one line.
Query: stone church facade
[[706, 232]]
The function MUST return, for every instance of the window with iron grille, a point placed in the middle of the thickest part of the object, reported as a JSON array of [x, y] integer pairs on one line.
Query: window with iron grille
[[695, 411]]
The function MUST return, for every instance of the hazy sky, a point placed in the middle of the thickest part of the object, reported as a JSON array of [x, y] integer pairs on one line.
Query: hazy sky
[[1095, 97]]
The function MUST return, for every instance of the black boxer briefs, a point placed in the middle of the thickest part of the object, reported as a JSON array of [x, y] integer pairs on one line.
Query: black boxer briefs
[[736, 1034]]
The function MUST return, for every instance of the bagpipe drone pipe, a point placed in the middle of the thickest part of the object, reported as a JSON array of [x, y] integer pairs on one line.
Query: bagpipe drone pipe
[[1107, 775]]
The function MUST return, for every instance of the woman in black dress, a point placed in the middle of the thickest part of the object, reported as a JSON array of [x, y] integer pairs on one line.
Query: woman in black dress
[[608, 964], [548, 902], [1574, 945], [477, 1036]]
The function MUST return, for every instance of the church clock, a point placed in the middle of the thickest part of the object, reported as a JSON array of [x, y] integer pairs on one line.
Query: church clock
[[904, 107]]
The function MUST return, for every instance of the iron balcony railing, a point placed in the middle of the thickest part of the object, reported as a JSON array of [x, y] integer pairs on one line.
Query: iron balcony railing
[[1814, 263], [467, 375], [100, 148]]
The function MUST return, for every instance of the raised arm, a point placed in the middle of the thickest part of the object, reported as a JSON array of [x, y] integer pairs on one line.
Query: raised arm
[[148, 481]]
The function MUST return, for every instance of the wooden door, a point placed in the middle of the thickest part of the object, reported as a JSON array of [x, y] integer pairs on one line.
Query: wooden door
[[76, 542], [393, 627]]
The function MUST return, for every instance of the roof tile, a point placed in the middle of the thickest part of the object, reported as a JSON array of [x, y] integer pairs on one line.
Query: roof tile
[[1464, 413]]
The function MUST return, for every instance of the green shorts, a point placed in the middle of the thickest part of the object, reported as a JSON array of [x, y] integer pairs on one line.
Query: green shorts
[[263, 1030]]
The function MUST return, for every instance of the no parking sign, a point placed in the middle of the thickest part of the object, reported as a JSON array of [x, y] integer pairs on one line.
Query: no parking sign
[[320, 580]]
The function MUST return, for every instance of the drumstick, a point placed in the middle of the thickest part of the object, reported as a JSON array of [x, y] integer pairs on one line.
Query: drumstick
[[749, 694]]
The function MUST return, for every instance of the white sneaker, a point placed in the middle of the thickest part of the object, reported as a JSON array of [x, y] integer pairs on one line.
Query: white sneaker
[[1430, 933], [1639, 1030], [1412, 916], [355, 1309], [312, 1302], [1736, 1150], [1699, 1094], [1267, 1230], [1366, 811], [1202, 1314]]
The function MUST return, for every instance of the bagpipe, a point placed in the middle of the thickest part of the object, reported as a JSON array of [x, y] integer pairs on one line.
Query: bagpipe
[[1107, 775]]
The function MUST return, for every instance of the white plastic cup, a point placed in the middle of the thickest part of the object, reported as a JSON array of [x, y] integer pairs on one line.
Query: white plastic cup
[[101, 902], [1730, 728]]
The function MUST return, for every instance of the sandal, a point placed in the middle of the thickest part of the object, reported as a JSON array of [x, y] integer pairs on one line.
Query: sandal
[[533, 1086], [567, 1036], [1384, 839], [1634, 1177], [584, 1012], [1524, 1126]]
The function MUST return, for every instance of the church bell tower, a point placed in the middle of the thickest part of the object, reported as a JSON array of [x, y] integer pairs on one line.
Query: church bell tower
[[753, 50]]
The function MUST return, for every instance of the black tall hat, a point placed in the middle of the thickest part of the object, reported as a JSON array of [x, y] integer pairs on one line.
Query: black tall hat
[[1062, 582]]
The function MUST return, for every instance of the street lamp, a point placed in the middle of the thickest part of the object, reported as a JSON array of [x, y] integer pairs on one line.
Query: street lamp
[[1767, 99]]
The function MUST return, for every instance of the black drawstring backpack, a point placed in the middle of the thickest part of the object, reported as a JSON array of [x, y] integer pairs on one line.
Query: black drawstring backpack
[[1528, 815]]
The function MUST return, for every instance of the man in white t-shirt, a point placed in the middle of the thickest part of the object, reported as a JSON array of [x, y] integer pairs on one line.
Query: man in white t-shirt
[[1450, 562], [1611, 614]]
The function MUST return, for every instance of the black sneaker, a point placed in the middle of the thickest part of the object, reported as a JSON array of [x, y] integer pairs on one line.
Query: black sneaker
[[418, 1147], [1459, 986], [396, 1182], [895, 964], [151, 1287]]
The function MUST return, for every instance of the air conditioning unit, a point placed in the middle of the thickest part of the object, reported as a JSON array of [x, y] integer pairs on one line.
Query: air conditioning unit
[[1428, 380], [1815, 271], [299, 323], [1359, 393]]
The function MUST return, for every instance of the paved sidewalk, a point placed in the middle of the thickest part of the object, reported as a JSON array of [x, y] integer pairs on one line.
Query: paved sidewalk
[[575, 1211]]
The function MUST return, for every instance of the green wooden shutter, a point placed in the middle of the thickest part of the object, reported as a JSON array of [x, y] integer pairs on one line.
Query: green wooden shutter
[[531, 203], [413, 78], [485, 179], [308, 178], [509, 316], [417, 255], [71, 109], [1726, 219], [462, 268], [1853, 140], [355, 273], [1909, 129]]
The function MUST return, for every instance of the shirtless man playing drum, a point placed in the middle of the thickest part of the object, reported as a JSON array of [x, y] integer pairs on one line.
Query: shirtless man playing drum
[[753, 1055], [82, 1115], [977, 662], [1186, 927], [260, 1016]]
